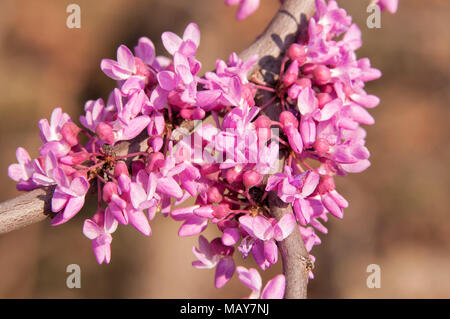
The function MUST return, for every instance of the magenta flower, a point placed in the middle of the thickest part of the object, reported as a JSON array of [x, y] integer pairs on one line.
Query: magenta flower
[[22, 172], [69, 195], [215, 254], [51, 136], [274, 288], [295, 189], [99, 230]]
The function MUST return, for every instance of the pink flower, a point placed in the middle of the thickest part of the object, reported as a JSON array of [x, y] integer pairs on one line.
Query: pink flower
[[51, 136], [99, 230], [68, 195], [295, 189], [187, 45], [22, 172], [274, 288], [215, 254]]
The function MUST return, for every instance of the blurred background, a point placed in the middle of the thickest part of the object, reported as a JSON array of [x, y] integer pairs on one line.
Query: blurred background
[[399, 214]]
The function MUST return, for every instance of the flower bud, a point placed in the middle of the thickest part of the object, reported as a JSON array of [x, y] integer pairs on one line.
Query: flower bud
[[291, 74], [198, 114], [321, 146], [105, 132], [120, 169], [109, 190], [262, 126], [70, 132], [155, 161], [214, 195], [233, 175], [322, 74], [297, 52], [252, 178], [288, 119], [221, 211], [323, 98], [157, 143], [210, 171]]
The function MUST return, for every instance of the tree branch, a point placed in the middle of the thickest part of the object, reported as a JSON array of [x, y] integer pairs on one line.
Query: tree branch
[[34, 206]]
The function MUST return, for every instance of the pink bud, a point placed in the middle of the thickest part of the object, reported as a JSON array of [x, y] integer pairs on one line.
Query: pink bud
[[75, 158], [233, 175], [186, 113], [221, 211], [105, 132], [210, 171], [70, 132], [252, 178], [155, 161], [323, 98], [120, 169], [297, 52], [157, 143], [321, 146], [326, 185], [288, 119], [214, 195], [322, 74], [291, 74], [198, 114], [262, 125], [109, 190], [309, 68]]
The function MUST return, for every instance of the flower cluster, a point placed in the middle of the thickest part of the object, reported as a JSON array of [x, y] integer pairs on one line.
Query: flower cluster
[[230, 167]]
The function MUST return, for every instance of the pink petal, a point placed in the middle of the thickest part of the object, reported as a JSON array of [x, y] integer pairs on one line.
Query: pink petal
[[126, 59], [251, 278], [169, 186], [224, 271], [230, 236], [79, 186], [138, 220], [192, 33], [271, 251], [91, 229], [192, 226], [183, 213], [246, 8], [145, 50], [285, 226], [59, 200], [16, 172], [262, 228], [167, 80], [73, 206], [274, 288], [171, 42]]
